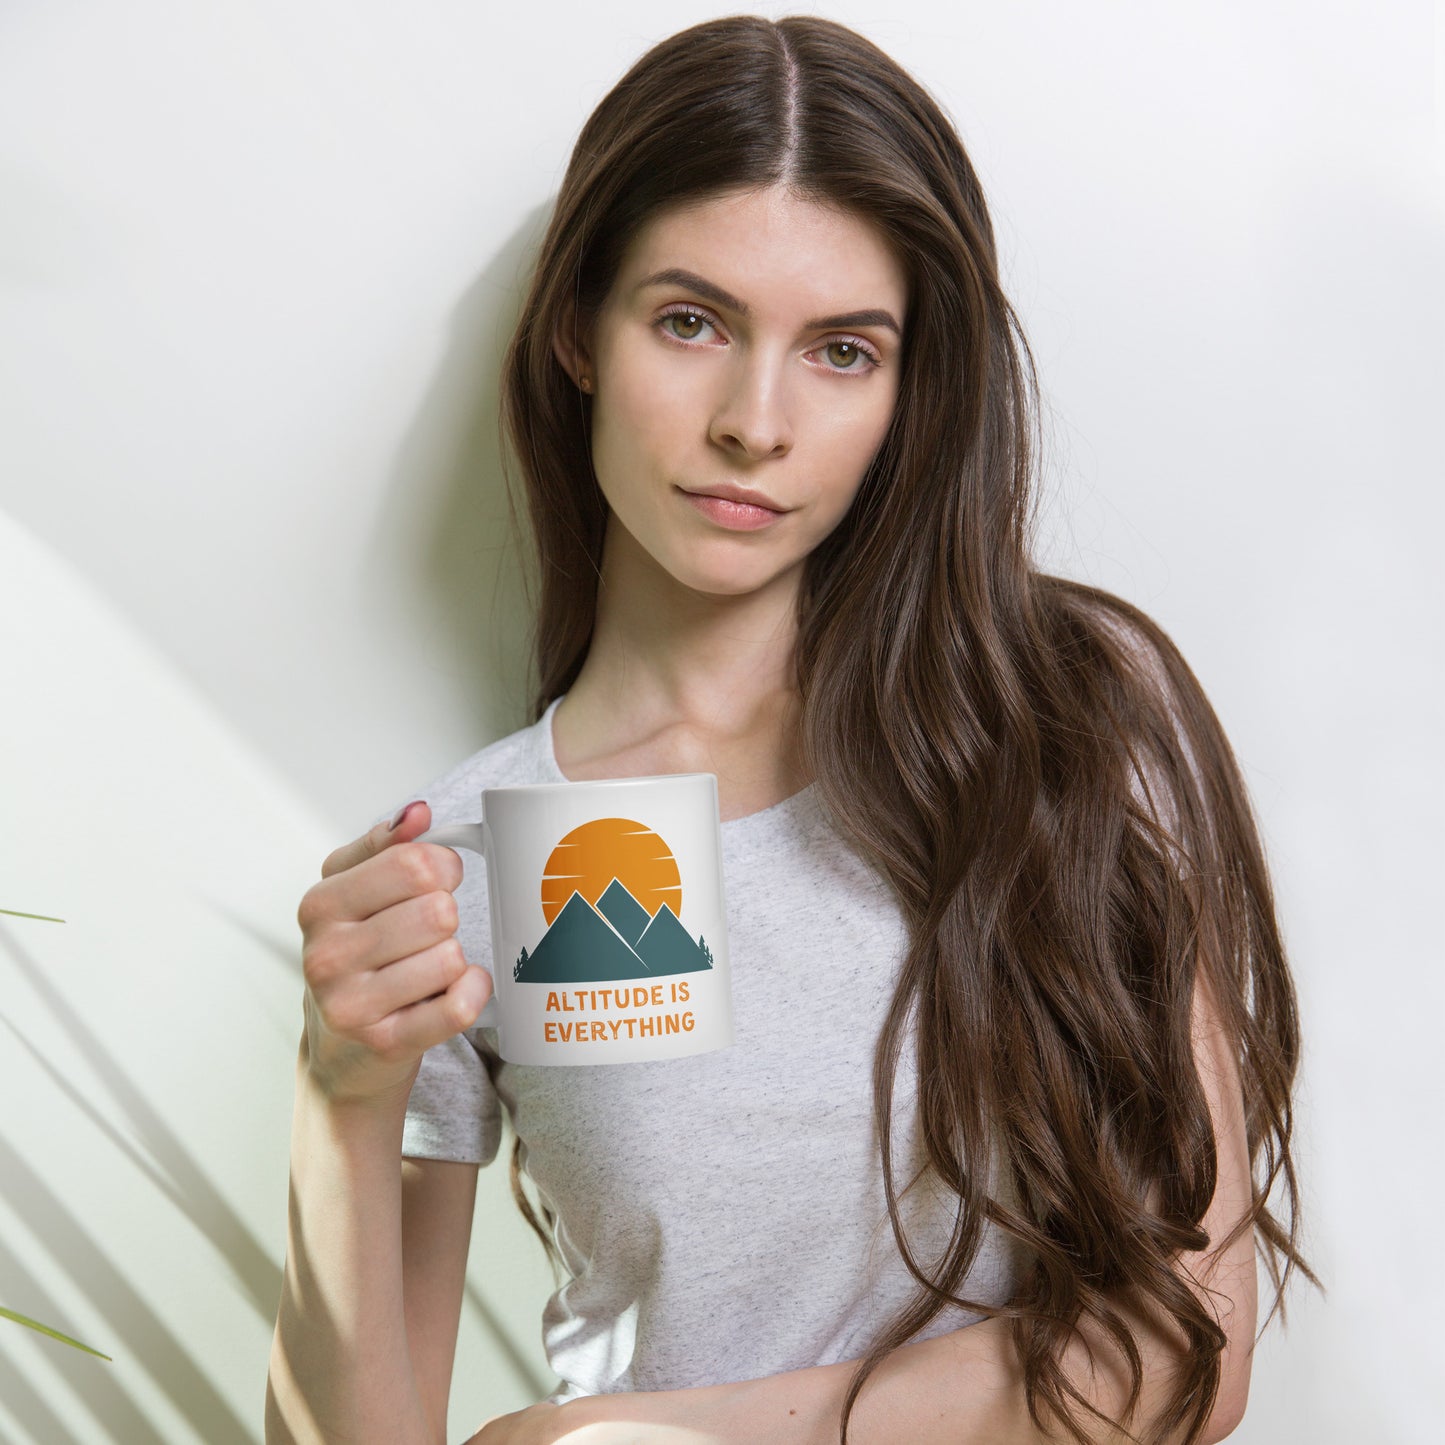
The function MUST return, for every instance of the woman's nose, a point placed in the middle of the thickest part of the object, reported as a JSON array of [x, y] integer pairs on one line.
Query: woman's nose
[[753, 413]]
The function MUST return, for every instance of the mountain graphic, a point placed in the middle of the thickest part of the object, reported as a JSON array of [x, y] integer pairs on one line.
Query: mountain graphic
[[623, 912], [615, 940], [667, 947]]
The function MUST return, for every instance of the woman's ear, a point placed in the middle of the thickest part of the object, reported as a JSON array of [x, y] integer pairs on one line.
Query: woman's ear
[[570, 344]]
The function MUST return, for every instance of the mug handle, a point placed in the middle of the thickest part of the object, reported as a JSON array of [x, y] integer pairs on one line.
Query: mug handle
[[473, 836]]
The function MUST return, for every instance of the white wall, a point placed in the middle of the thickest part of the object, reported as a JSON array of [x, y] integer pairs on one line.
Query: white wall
[[257, 266]]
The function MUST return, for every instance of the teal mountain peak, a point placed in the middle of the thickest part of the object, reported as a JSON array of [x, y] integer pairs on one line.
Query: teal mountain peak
[[615, 940]]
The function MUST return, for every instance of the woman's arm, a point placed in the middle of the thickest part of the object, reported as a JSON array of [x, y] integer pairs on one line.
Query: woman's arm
[[376, 1248], [376, 1261], [340, 1367], [438, 1200], [965, 1387]]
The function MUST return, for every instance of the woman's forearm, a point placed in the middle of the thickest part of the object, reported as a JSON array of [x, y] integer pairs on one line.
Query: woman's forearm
[[961, 1388], [340, 1370]]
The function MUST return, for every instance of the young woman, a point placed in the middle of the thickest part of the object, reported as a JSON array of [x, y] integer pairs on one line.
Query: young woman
[[991, 1158]]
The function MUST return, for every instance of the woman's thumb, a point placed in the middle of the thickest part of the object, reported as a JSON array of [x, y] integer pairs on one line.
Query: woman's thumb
[[410, 822]]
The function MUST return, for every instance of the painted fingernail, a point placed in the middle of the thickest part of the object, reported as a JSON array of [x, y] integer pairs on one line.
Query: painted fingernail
[[396, 822]]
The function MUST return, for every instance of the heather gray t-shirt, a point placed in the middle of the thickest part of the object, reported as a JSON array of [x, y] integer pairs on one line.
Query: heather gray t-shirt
[[722, 1216]]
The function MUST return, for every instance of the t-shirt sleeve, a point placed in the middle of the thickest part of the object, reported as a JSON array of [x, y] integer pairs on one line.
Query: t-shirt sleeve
[[454, 1112]]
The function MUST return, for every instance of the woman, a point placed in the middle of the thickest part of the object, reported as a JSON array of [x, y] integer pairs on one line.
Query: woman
[[1013, 1174]]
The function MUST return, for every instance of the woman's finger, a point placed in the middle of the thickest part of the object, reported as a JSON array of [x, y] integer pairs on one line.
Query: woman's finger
[[412, 1030], [409, 980], [410, 926], [378, 880]]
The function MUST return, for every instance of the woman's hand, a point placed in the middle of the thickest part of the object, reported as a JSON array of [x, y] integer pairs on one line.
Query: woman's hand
[[385, 975]]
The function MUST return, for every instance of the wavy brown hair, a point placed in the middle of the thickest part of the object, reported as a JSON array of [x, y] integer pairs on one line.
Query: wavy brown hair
[[1028, 761]]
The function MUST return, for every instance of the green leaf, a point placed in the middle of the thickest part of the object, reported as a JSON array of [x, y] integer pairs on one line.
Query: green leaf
[[45, 918], [46, 1330]]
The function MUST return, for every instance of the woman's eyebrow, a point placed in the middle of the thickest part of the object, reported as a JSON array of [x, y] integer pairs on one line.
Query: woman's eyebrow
[[691, 281]]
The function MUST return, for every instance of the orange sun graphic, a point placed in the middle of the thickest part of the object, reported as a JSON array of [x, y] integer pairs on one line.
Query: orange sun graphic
[[590, 857]]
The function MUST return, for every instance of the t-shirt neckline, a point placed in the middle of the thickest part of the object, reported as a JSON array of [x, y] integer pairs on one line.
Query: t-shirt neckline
[[803, 802]]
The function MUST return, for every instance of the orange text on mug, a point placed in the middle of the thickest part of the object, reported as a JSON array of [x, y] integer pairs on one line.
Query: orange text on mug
[[649, 1023]]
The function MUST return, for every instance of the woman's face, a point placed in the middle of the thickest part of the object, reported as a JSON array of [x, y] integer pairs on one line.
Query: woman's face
[[752, 340]]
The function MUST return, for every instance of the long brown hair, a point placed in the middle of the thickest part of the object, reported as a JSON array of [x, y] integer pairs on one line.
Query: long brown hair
[[1028, 761]]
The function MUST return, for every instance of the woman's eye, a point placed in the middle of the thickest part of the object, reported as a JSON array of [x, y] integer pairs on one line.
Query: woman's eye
[[846, 354], [688, 319]]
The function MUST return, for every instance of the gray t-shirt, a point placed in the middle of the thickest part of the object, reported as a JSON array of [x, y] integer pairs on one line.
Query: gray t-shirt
[[722, 1216]]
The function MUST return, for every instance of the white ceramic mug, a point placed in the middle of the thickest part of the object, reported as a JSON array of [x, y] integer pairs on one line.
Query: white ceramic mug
[[609, 928]]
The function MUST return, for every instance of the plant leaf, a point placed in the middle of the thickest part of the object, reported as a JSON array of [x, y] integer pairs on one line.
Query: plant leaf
[[42, 916], [45, 1329]]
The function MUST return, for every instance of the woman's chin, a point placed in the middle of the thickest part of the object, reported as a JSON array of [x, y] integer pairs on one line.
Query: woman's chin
[[727, 583]]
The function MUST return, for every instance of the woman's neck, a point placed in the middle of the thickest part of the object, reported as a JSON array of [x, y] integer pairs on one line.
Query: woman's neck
[[678, 681]]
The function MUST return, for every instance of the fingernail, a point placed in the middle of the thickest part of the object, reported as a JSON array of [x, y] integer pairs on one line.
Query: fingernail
[[395, 823]]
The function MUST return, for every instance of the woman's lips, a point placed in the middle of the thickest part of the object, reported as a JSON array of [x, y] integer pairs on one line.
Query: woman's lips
[[736, 516]]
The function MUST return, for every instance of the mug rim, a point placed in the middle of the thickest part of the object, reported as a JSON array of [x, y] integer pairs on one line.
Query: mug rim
[[596, 783]]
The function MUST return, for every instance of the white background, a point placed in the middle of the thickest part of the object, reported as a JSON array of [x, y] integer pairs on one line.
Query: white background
[[259, 263]]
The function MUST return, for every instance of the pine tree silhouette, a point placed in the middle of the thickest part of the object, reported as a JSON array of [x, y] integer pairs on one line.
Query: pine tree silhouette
[[706, 951], [519, 965]]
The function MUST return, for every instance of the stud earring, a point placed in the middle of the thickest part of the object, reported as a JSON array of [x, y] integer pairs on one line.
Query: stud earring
[[586, 383]]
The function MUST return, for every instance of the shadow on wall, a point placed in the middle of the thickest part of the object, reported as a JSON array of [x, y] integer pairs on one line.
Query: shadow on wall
[[67, 1244], [476, 564]]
